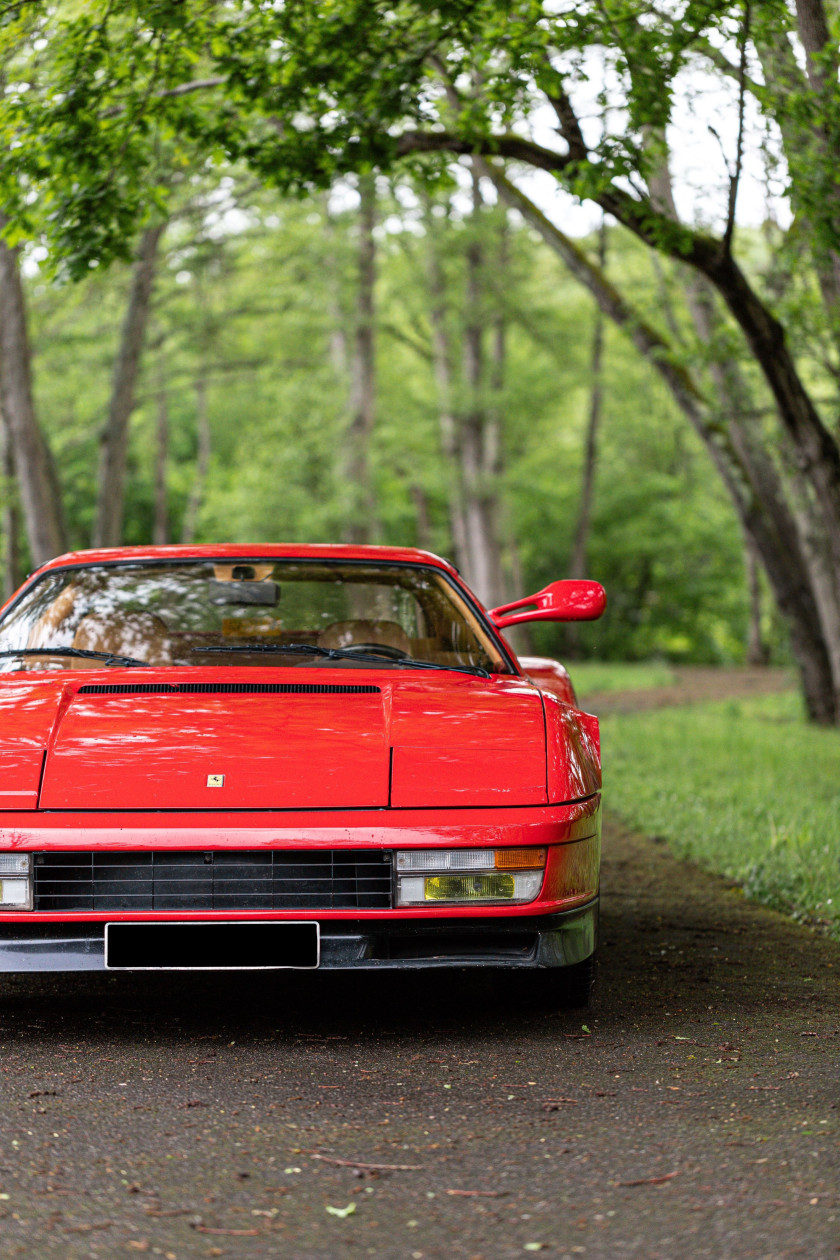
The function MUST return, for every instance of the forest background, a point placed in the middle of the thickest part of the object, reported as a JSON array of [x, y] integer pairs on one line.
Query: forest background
[[244, 426], [286, 272]]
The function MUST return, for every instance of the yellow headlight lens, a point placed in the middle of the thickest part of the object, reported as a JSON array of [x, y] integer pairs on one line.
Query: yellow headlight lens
[[470, 887]]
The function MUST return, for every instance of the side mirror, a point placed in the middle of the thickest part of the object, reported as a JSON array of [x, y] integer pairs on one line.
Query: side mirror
[[561, 601]]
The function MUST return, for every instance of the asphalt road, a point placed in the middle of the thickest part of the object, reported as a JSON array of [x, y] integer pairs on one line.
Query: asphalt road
[[692, 1113]]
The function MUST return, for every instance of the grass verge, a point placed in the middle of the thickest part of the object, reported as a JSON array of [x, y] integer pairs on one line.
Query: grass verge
[[591, 677], [742, 787]]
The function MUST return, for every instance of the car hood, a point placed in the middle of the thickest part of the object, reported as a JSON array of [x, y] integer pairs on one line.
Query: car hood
[[345, 739]]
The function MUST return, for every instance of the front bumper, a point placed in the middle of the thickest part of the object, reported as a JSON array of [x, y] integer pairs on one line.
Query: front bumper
[[529, 942]]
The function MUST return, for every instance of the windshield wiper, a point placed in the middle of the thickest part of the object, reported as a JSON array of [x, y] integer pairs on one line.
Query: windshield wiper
[[347, 654], [107, 658]]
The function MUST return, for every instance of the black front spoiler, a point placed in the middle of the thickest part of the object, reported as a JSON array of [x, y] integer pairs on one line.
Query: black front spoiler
[[557, 940]]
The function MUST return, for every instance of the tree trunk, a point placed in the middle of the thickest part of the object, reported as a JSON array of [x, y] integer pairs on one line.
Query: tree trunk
[[478, 429], [816, 40], [757, 651], [11, 523], [578, 561], [824, 579], [442, 362], [361, 523], [110, 504], [520, 638], [160, 528], [36, 476], [421, 510], [796, 538], [202, 464]]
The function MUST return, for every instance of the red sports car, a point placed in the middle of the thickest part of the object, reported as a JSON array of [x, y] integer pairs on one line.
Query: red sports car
[[291, 757]]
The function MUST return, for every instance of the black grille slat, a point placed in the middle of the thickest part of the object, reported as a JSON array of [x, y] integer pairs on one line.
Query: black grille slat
[[275, 879], [229, 688], [288, 689], [126, 689]]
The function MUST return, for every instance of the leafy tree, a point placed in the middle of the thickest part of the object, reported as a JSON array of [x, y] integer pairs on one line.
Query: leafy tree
[[306, 93]]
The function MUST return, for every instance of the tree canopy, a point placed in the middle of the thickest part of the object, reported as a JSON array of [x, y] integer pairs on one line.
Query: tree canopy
[[111, 107]]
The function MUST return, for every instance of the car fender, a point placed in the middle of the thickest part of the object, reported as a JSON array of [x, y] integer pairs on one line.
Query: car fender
[[573, 751]]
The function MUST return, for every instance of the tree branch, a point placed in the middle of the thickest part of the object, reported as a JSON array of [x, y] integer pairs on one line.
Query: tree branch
[[735, 177], [517, 148], [651, 344], [570, 128], [180, 89]]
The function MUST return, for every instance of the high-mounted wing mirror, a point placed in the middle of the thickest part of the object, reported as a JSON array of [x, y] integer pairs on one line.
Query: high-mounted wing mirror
[[561, 601]]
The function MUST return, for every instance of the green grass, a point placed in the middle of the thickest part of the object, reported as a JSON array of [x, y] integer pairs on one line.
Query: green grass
[[742, 787], [590, 677]]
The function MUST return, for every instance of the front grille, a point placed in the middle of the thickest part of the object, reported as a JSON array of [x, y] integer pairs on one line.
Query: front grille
[[338, 879]]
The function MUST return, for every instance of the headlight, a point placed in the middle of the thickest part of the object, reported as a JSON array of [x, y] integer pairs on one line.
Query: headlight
[[15, 882], [490, 876]]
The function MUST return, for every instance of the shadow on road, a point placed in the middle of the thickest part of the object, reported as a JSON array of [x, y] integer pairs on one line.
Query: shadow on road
[[672, 939]]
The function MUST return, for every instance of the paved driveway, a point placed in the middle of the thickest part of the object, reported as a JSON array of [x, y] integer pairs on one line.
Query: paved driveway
[[692, 1113]]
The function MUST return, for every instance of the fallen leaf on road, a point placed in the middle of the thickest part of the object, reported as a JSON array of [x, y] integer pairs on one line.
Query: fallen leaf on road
[[350, 1210], [169, 1212], [649, 1181], [240, 1233], [486, 1194], [355, 1163]]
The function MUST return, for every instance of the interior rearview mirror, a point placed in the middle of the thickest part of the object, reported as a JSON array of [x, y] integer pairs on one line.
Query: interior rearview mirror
[[244, 592]]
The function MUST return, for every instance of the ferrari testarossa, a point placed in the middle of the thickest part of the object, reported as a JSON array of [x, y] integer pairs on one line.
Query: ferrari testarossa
[[291, 757]]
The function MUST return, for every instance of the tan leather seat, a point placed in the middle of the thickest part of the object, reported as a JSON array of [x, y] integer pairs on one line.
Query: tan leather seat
[[43, 631], [342, 634], [138, 634]]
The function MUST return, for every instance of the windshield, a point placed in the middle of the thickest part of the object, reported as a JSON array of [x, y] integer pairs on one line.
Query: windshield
[[246, 612]]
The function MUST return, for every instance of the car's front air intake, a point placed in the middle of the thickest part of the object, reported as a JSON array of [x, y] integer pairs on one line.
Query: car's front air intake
[[220, 880], [228, 688]]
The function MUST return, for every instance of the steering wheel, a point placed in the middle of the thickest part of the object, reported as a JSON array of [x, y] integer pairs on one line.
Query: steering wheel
[[382, 649]]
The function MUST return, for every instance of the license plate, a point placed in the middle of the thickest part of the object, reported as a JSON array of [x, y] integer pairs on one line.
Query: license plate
[[242, 945]]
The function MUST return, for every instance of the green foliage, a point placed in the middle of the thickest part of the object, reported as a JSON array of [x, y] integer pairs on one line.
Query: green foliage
[[306, 93], [664, 542], [745, 788], [255, 300]]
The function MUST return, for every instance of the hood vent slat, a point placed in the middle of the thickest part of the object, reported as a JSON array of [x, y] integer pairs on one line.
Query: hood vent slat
[[231, 688]]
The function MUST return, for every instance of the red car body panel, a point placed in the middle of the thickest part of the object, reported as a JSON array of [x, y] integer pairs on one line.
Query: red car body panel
[[571, 833], [432, 760], [156, 751]]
